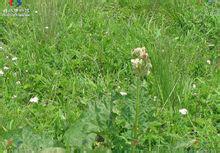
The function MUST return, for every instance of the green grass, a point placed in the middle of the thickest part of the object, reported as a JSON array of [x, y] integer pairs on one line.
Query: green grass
[[78, 66]]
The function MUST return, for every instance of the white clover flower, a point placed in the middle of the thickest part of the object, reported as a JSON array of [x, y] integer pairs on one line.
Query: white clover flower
[[18, 82], [1, 73], [183, 111], [208, 62], [194, 86], [6, 68], [34, 99], [14, 59], [123, 93]]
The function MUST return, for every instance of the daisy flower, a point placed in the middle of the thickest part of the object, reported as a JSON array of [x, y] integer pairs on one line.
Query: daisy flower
[[6, 68], [183, 111], [123, 93], [34, 99], [14, 59], [208, 62]]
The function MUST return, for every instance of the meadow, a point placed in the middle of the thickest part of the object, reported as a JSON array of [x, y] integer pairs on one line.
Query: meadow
[[102, 76]]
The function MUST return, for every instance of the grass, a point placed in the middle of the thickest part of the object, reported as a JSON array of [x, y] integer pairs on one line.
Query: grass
[[75, 56]]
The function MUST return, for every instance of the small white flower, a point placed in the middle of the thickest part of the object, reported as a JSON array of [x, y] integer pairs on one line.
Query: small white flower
[[137, 51], [123, 93], [6, 68], [46, 27], [26, 71], [1, 48], [1, 73], [136, 62], [36, 12], [183, 111], [5, 11], [194, 86], [7, 57], [14, 59], [14, 96], [18, 82], [34, 99], [208, 62], [155, 98]]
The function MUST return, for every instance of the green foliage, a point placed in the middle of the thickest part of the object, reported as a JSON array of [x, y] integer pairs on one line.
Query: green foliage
[[75, 57]]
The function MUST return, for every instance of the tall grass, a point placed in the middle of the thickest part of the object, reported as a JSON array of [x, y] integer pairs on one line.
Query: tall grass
[[75, 56]]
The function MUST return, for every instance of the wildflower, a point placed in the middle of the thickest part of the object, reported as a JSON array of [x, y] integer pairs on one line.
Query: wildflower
[[137, 51], [36, 12], [46, 27], [155, 98], [208, 61], [143, 55], [194, 86], [18, 82], [141, 62], [136, 62], [1, 48], [6, 68], [123, 93], [14, 96], [1, 73], [14, 59], [34, 99], [183, 111]]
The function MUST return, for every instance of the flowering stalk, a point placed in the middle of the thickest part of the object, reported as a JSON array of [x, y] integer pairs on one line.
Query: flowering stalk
[[141, 65], [137, 109]]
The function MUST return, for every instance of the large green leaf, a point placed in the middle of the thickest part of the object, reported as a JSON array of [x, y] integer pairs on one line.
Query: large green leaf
[[83, 133]]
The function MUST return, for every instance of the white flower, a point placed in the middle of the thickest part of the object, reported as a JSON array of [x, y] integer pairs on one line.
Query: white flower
[[18, 82], [14, 96], [208, 62], [36, 12], [155, 98], [7, 57], [1, 48], [26, 71], [34, 99], [14, 59], [194, 86], [144, 55], [46, 27], [123, 93], [136, 62], [183, 111], [6, 68], [136, 51], [1, 73]]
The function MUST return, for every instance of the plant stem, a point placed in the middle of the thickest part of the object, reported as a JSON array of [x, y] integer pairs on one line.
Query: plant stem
[[137, 113]]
